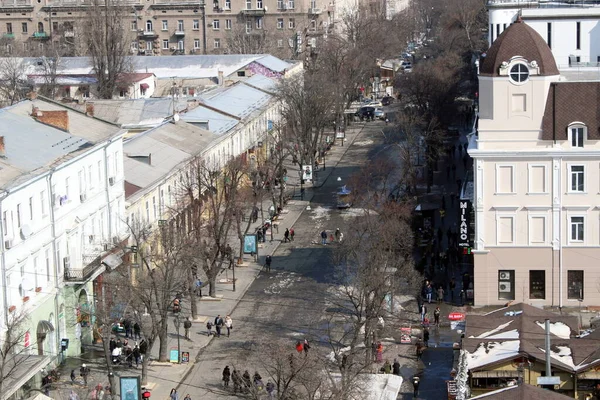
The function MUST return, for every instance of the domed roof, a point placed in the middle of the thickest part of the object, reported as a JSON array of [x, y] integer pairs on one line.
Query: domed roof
[[519, 39]]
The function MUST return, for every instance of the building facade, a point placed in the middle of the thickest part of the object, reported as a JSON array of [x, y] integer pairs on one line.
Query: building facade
[[171, 27], [536, 178], [61, 204]]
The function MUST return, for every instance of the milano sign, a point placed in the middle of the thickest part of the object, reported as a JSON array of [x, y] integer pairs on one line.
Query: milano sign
[[464, 232]]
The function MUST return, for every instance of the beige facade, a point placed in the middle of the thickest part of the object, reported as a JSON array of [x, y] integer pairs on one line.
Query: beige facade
[[537, 219], [170, 27]]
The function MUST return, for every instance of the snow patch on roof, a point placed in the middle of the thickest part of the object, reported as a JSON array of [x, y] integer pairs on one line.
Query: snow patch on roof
[[512, 334], [558, 329], [564, 355], [493, 331], [490, 352]]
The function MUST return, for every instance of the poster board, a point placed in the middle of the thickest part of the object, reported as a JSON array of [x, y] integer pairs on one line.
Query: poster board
[[174, 356], [405, 335], [185, 357], [130, 387], [250, 244]]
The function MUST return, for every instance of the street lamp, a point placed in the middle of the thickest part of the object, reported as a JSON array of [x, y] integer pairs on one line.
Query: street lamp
[[177, 324]]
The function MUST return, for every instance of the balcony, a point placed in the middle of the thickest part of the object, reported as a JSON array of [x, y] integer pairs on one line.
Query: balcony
[[257, 12], [315, 11], [8, 36], [41, 35], [148, 34], [15, 3], [80, 275], [179, 32], [69, 34]]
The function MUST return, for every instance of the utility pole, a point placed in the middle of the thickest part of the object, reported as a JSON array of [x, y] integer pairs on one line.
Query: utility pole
[[548, 366]]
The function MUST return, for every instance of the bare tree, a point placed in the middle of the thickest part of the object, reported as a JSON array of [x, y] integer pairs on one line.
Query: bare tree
[[13, 81], [239, 41], [12, 350], [108, 43]]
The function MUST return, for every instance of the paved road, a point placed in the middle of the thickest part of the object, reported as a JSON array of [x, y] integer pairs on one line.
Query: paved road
[[290, 301]]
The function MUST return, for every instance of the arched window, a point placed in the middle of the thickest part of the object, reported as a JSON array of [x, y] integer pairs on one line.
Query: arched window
[[149, 26], [577, 134], [40, 27]]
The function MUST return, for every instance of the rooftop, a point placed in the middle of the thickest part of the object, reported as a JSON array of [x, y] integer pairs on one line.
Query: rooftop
[[521, 392], [33, 145]]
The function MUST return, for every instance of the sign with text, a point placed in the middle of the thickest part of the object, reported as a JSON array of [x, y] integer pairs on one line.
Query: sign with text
[[185, 356], [174, 356], [250, 244], [130, 387], [464, 231]]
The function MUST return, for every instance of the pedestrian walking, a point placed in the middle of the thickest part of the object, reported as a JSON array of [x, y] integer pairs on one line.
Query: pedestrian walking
[[137, 355], [128, 328], [268, 261], [246, 382], [73, 376], [226, 376], [387, 367], [324, 237], [426, 337], [337, 234], [428, 292], [264, 233], [84, 371], [286, 236], [440, 295], [436, 316], [396, 367], [228, 324], [209, 326], [137, 331], [379, 352], [173, 395], [218, 324], [292, 233], [423, 311], [460, 149], [305, 346], [270, 387], [187, 324], [237, 381], [299, 347], [187, 397], [443, 202], [420, 348], [416, 381]]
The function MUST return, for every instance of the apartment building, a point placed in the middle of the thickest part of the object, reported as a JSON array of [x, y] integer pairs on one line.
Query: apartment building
[[569, 28], [171, 27], [536, 178], [61, 204]]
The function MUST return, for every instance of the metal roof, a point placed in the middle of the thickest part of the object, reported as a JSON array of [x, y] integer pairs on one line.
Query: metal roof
[[262, 82], [151, 155], [32, 147], [218, 123]]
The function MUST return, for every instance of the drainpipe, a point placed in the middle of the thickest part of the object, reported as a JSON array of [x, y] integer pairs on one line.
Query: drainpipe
[[560, 242], [56, 260], [3, 264], [203, 7]]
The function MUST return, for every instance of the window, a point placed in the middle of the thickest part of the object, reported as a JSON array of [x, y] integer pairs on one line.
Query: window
[[35, 272], [575, 285], [180, 26], [228, 4], [134, 25], [43, 202], [259, 4], [291, 4], [578, 35], [9, 27], [248, 26], [216, 24], [576, 136], [506, 284], [577, 178], [259, 22], [19, 215], [505, 179], [40, 27], [31, 208], [142, 90], [100, 173], [196, 44], [24, 27], [147, 212], [292, 23], [180, 45], [148, 45], [165, 44], [48, 266], [154, 206], [217, 43], [549, 34], [134, 46], [537, 179], [279, 42], [519, 73], [537, 230], [148, 26], [241, 74], [279, 23], [505, 229], [313, 4], [280, 4], [228, 24], [165, 25], [313, 25], [89, 180], [577, 229], [196, 24], [5, 222], [248, 4], [537, 285]]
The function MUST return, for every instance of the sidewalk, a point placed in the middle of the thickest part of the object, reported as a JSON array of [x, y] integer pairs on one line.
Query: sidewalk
[[162, 376]]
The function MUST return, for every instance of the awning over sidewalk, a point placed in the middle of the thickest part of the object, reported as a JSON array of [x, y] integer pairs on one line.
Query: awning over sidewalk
[[19, 370], [112, 261]]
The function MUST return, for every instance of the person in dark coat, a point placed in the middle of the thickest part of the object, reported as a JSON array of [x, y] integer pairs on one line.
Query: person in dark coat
[[246, 381], [416, 381], [286, 236], [268, 261], [137, 331], [226, 376], [237, 381], [396, 367], [426, 337]]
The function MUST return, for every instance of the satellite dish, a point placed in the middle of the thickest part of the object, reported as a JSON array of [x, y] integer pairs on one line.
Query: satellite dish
[[176, 117]]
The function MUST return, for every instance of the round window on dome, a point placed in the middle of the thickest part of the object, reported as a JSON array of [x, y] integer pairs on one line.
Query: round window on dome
[[519, 73]]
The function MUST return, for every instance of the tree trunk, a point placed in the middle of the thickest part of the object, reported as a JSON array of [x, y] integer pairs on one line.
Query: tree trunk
[[108, 357], [163, 337], [146, 362], [212, 286]]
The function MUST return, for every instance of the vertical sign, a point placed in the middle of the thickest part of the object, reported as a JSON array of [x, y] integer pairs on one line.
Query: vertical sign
[[130, 387], [250, 244], [464, 232]]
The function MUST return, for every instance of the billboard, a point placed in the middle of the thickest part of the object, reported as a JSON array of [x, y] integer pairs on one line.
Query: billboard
[[464, 218]]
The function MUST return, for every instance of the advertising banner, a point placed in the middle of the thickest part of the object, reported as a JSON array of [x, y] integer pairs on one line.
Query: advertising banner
[[464, 217], [250, 244]]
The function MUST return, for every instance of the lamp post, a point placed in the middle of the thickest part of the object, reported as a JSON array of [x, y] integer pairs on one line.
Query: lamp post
[[177, 324]]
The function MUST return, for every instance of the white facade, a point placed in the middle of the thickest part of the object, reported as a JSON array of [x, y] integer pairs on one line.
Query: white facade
[[573, 33]]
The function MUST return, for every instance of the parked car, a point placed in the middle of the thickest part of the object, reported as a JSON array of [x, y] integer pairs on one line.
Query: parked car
[[379, 113], [406, 65], [387, 100], [367, 113]]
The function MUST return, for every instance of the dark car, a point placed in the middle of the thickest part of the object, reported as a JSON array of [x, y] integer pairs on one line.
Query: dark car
[[387, 100], [367, 113]]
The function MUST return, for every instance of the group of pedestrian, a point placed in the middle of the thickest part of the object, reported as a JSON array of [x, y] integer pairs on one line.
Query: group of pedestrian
[[175, 396], [219, 324], [391, 368], [244, 383], [122, 350], [303, 346], [337, 236], [288, 235]]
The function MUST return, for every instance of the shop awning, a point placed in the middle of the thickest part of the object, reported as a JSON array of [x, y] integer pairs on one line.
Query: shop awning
[[22, 368], [144, 86], [112, 261], [44, 327], [495, 374]]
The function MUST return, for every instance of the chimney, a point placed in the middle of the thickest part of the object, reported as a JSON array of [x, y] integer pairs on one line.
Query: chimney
[[89, 109], [2, 148], [149, 158], [220, 78], [56, 119], [35, 112]]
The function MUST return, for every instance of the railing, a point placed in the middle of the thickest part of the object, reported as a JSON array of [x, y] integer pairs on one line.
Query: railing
[[15, 3], [40, 35], [257, 12], [81, 274], [8, 35]]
